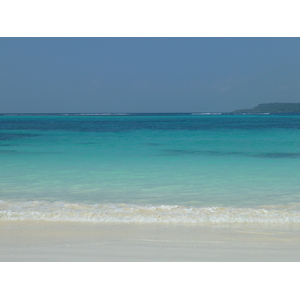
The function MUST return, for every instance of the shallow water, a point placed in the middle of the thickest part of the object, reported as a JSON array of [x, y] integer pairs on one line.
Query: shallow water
[[151, 168]]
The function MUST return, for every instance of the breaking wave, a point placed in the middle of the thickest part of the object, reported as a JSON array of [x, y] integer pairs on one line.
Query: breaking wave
[[125, 213]]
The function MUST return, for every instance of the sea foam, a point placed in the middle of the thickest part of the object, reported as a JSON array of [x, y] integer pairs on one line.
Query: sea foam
[[125, 213]]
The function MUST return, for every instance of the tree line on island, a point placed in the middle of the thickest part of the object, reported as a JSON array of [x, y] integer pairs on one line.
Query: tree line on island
[[272, 108]]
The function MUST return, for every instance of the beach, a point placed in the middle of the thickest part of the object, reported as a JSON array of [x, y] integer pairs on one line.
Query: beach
[[137, 168], [81, 242], [149, 187]]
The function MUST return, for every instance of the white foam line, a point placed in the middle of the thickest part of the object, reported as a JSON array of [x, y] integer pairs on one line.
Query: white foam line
[[150, 214]]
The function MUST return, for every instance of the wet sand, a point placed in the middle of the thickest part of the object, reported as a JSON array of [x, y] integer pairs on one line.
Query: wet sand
[[83, 242]]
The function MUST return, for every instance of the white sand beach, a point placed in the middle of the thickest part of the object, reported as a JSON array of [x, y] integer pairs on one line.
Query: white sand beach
[[89, 242]]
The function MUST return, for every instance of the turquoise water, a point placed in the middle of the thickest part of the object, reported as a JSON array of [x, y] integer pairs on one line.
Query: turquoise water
[[150, 168]]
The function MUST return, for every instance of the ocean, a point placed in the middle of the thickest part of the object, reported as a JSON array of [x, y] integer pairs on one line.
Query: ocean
[[151, 168]]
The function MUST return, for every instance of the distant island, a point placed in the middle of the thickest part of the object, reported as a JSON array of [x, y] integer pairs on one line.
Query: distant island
[[272, 108]]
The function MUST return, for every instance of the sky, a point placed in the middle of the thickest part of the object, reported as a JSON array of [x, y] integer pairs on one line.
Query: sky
[[146, 75]]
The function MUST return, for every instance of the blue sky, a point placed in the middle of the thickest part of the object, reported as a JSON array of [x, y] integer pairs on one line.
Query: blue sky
[[49, 75]]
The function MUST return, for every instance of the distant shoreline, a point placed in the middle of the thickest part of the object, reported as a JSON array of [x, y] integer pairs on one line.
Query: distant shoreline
[[241, 113], [272, 108]]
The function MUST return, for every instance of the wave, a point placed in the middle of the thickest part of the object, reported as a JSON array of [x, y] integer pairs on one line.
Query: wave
[[103, 114], [204, 114], [128, 213]]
